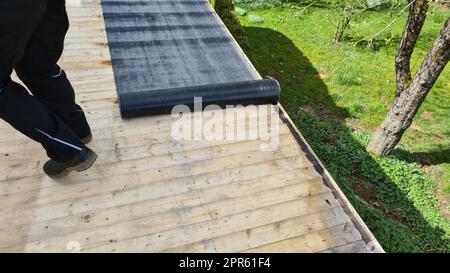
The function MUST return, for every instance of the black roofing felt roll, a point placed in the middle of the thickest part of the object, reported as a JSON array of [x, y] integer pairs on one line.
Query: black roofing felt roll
[[166, 52], [162, 101]]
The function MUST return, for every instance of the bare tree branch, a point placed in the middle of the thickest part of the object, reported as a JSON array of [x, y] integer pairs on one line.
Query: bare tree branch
[[416, 18]]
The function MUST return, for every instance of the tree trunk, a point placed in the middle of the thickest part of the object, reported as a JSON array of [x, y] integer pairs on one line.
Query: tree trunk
[[225, 10], [417, 15], [408, 101]]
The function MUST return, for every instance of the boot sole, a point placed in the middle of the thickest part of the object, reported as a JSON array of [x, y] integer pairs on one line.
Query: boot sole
[[87, 139], [79, 168]]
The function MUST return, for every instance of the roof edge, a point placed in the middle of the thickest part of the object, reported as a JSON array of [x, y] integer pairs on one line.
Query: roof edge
[[366, 234]]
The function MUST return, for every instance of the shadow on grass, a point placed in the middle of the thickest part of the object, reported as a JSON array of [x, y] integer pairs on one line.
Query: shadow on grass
[[379, 189], [425, 158], [274, 55]]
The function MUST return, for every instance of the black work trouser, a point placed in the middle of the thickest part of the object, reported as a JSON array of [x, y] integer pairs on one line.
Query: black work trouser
[[31, 42]]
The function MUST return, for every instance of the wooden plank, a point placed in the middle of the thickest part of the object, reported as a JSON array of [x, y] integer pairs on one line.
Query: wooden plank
[[30, 183], [355, 247], [250, 132], [314, 241], [11, 199], [193, 183], [172, 228], [160, 241], [262, 235], [162, 125], [142, 167], [165, 204], [124, 147]]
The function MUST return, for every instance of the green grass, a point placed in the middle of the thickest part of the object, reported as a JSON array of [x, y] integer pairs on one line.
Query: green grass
[[257, 4], [326, 88], [392, 197]]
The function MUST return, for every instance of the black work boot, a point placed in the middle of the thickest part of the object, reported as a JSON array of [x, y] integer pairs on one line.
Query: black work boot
[[81, 162], [87, 139]]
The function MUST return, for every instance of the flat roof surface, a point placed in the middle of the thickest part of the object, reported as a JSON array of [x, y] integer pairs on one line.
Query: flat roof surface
[[150, 193]]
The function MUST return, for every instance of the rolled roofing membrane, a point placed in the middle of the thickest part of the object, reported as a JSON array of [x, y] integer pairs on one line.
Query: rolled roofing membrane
[[166, 52]]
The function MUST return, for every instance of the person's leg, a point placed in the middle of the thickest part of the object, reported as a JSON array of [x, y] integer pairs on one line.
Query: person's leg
[[23, 111], [43, 77], [33, 119]]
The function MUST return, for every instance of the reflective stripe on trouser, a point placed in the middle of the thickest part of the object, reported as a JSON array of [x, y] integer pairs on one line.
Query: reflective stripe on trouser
[[29, 116]]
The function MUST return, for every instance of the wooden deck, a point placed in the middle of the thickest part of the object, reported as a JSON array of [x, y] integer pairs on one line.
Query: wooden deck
[[149, 193]]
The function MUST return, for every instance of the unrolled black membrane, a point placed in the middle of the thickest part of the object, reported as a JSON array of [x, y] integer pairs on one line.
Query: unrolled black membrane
[[167, 52]]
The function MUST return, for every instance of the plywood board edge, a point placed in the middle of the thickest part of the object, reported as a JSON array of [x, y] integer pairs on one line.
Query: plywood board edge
[[366, 234]]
